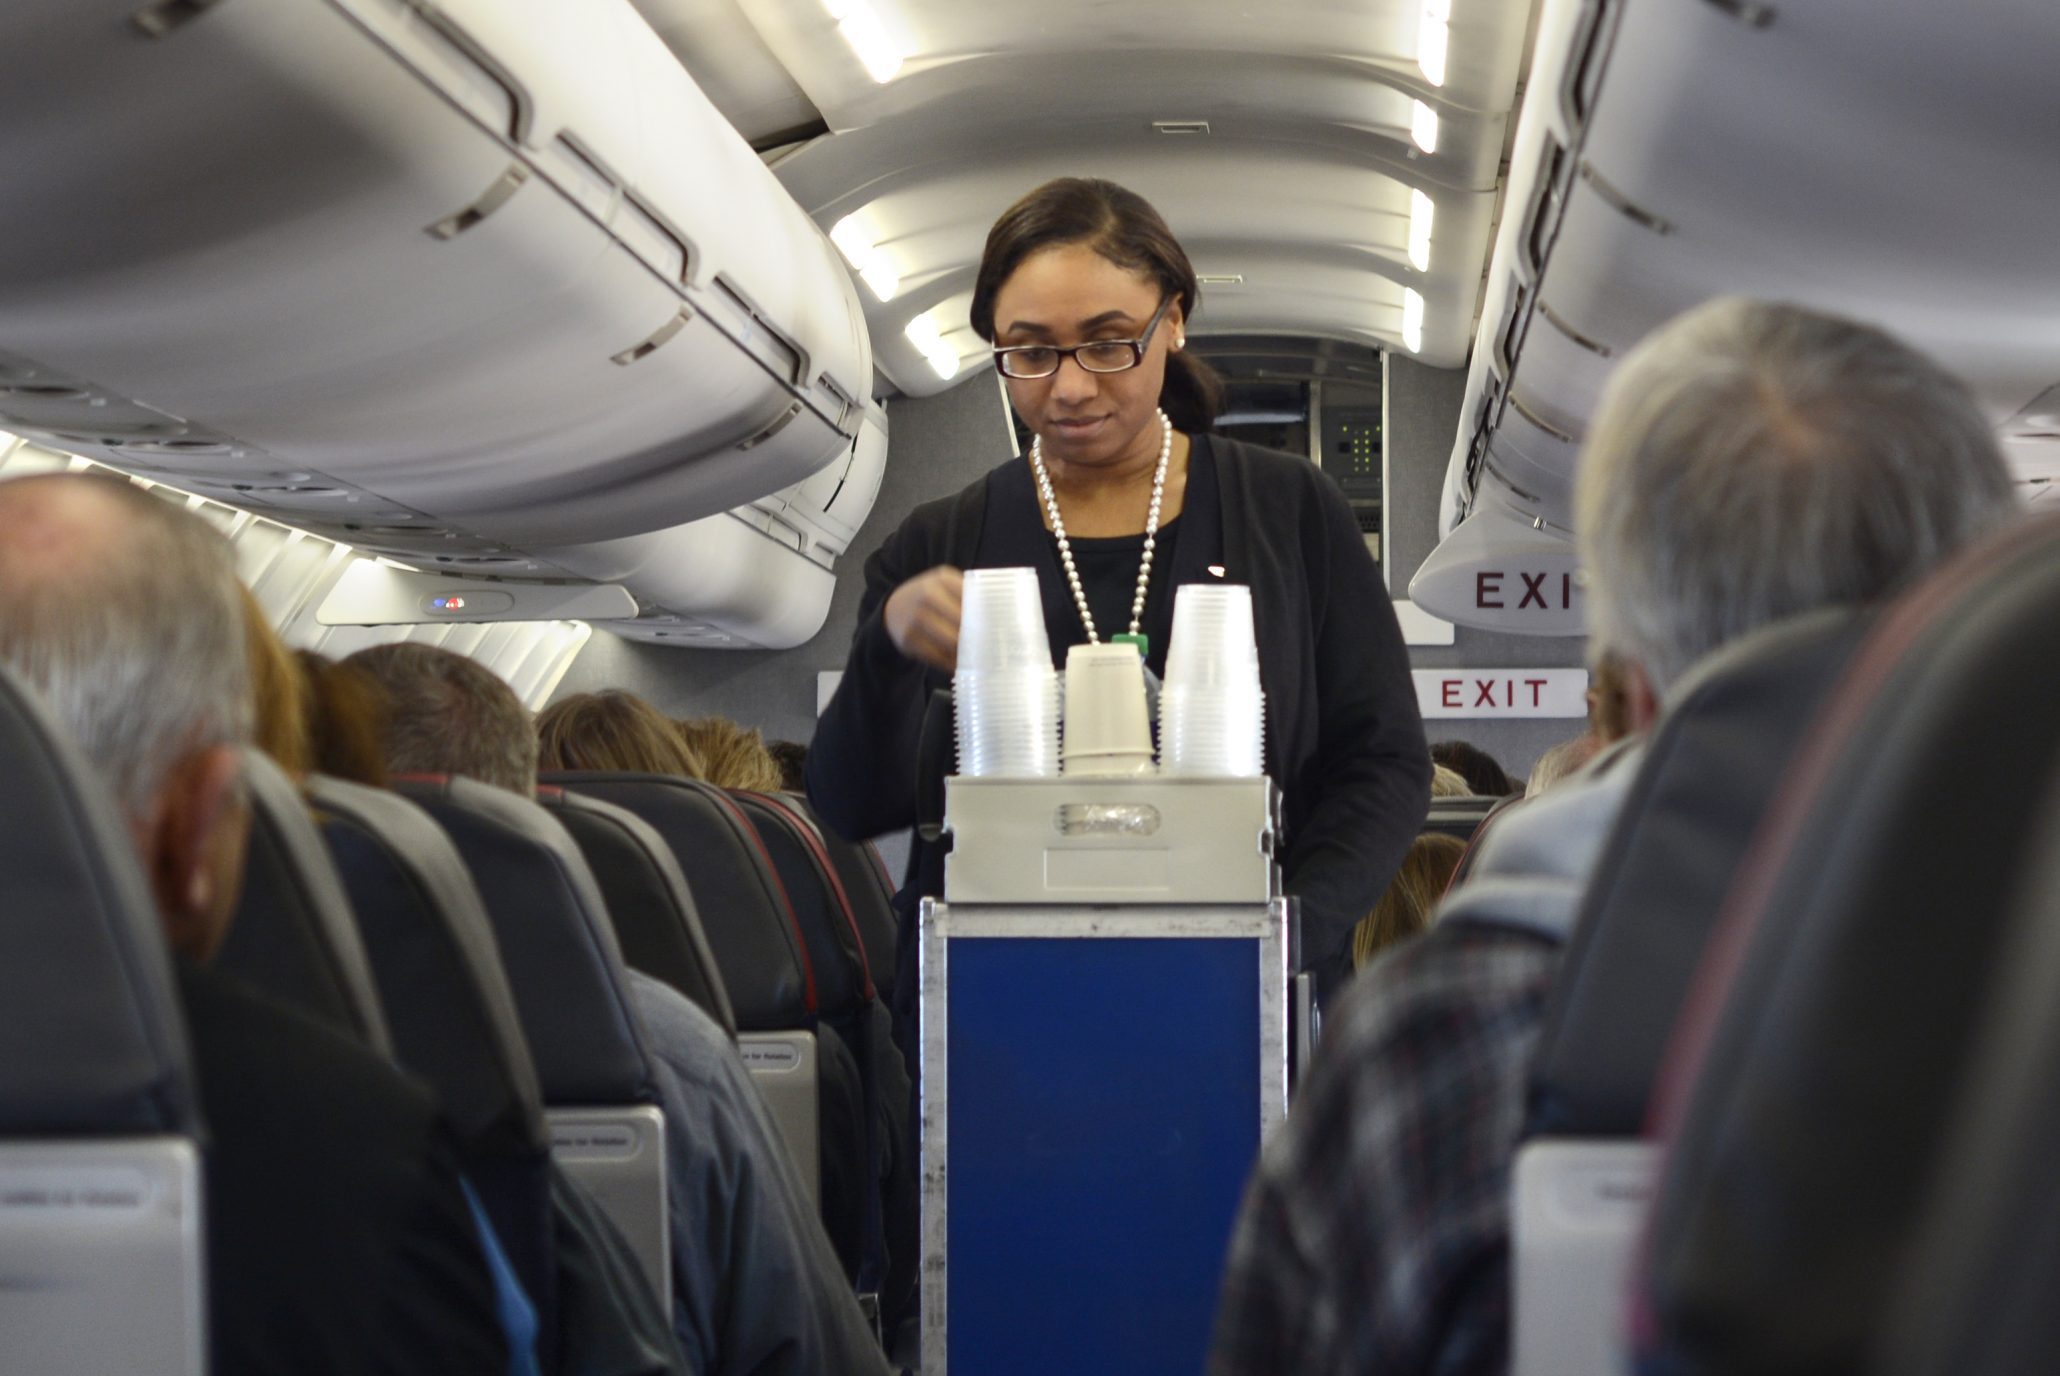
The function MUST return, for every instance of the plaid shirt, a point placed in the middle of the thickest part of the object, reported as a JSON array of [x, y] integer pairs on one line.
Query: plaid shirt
[[1374, 1236]]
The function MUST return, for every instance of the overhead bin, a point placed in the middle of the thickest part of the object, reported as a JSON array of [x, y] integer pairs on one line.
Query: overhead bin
[[483, 274]]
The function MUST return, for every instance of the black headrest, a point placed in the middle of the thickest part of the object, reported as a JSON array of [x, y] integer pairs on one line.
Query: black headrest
[[744, 908], [822, 908], [648, 901], [91, 1038], [555, 940], [1828, 1025], [1976, 1298], [434, 959], [1704, 781], [294, 934], [868, 887]]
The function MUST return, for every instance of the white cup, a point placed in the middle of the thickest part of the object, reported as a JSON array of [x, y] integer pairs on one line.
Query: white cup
[[1001, 622], [1212, 712], [1108, 727], [1008, 722], [1213, 640]]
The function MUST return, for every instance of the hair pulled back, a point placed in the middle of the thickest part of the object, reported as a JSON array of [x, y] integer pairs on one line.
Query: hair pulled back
[[1122, 227]]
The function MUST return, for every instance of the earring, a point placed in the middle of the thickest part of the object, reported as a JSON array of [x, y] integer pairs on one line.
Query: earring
[[1180, 342]]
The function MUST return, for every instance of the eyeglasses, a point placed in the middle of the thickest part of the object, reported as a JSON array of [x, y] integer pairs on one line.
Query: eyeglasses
[[1097, 356]]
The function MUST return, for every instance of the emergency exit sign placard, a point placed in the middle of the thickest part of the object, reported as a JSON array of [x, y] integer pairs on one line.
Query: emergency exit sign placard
[[1501, 692]]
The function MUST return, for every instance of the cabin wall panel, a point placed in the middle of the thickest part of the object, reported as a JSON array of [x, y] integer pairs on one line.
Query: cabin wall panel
[[1422, 416]]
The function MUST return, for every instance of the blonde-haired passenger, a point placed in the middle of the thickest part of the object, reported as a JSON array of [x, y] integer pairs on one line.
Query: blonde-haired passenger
[[1405, 909], [732, 756], [612, 730]]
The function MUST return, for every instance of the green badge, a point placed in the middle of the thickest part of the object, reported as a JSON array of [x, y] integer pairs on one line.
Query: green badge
[[1142, 641]]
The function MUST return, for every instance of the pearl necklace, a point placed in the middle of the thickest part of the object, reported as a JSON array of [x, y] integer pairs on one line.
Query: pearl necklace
[[1151, 530]]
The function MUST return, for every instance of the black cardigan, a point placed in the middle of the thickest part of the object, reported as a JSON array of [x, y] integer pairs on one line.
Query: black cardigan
[[1343, 736]]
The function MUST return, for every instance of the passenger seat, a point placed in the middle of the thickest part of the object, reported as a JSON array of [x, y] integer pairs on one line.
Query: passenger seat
[[100, 1169]]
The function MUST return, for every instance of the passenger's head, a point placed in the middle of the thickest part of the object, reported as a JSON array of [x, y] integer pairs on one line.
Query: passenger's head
[[1081, 259], [1752, 461], [792, 758], [124, 613], [731, 756], [613, 730], [1561, 760], [346, 720], [1484, 775], [1405, 909], [446, 714], [279, 692], [1609, 706], [1447, 782]]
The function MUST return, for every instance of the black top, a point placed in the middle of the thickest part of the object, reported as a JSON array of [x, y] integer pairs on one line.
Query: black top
[[1344, 740], [338, 1237]]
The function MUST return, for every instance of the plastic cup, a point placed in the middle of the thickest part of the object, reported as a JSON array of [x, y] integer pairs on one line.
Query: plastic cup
[[1108, 727], [1001, 622], [1212, 731], [1008, 722], [1213, 641]]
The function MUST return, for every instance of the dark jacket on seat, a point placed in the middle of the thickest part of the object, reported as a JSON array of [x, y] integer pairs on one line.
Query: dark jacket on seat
[[339, 1239]]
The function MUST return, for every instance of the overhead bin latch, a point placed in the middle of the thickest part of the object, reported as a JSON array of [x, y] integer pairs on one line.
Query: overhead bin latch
[[504, 188], [160, 19], [785, 419], [655, 340]]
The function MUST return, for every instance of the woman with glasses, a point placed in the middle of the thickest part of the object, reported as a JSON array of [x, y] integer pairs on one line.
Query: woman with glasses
[[1124, 495]]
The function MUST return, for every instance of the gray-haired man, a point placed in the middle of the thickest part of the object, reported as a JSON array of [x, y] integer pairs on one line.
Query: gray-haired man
[[1749, 462], [338, 1236]]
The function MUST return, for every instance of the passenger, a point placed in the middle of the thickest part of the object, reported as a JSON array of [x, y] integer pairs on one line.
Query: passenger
[[1749, 462], [612, 730], [732, 756], [346, 720], [756, 1287], [1124, 464], [792, 758], [1447, 782], [1562, 760], [280, 726], [1609, 715], [1484, 775], [1405, 909], [338, 1234]]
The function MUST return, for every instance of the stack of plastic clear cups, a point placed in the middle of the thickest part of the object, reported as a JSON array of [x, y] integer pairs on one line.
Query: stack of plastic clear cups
[[1006, 690], [1211, 711]]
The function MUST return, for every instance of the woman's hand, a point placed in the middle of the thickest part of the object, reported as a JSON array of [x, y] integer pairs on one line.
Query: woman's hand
[[922, 617]]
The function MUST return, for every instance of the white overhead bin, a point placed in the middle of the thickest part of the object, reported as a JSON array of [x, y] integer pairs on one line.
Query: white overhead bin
[[469, 277]]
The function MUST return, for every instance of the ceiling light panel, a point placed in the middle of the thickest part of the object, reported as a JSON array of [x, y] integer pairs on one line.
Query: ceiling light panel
[[1412, 320], [1423, 126], [1422, 212], [867, 259], [928, 337], [1433, 36], [861, 28]]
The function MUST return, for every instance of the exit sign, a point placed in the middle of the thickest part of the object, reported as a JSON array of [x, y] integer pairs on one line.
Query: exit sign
[[1501, 692]]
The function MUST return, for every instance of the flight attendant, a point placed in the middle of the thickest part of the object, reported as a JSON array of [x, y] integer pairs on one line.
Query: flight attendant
[[1124, 495]]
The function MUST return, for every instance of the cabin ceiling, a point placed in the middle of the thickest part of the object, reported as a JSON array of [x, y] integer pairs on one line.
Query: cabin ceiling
[[1301, 186]]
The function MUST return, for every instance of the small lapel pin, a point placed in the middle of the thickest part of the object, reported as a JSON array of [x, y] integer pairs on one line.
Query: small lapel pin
[[1216, 570]]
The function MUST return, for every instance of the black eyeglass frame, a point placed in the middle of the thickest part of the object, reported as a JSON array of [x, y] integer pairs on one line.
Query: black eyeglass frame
[[1137, 347]]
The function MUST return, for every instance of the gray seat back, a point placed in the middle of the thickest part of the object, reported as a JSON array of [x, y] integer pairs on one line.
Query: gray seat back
[[100, 1190], [294, 935], [1575, 1215], [571, 994]]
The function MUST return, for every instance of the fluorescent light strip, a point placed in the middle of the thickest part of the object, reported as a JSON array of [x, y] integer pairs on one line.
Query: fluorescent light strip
[[867, 259], [928, 337], [1412, 320], [1422, 211], [1423, 127], [1433, 36], [862, 30]]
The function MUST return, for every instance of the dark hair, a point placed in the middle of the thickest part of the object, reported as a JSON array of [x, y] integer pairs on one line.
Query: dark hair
[[792, 757], [1482, 772], [447, 714], [1122, 227], [346, 719]]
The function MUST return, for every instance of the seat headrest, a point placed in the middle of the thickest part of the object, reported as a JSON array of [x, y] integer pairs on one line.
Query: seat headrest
[[822, 909], [434, 960], [1827, 1026], [866, 885], [649, 903], [556, 943], [1652, 898], [744, 909], [294, 935], [92, 1042]]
